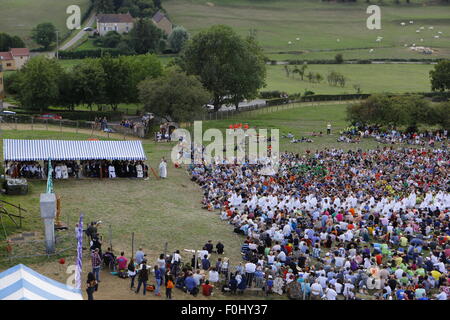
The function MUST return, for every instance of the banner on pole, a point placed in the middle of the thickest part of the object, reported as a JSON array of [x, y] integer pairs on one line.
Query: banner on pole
[[79, 262]]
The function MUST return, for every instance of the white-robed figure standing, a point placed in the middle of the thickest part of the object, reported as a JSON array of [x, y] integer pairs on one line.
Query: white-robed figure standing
[[58, 172], [64, 172], [112, 171], [140, 171], [163, 169]]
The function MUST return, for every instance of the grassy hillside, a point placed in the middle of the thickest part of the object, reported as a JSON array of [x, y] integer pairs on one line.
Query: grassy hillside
[[372, 78], [319, 25], [19, 17]]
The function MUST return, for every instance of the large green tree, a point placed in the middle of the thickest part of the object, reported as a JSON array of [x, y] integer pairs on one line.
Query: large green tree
[[67, 95], [142, 67], [145, 37], [178, 38], [382, 110], [228, 65], [440, 76], [175, 96], [90, 80], [44, 34], [104, 6], [7, 42], [39, 83], [118, 85]]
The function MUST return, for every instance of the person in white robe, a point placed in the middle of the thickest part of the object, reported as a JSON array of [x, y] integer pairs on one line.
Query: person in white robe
[[58, 173], [163, 169], [139, 171], [64, 172], [111, 171]]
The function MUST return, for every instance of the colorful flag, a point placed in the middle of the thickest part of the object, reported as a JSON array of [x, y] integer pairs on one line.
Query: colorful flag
[[79, 261], [50, 177]]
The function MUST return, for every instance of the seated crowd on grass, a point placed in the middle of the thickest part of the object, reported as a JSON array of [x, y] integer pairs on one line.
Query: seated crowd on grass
[[339, 225]]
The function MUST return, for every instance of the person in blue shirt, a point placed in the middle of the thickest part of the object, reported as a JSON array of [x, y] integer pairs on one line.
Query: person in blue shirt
[[232, 284], [400, 294], [269, 285], [206, 264], [158, 278], [190, 284], [242, 285]]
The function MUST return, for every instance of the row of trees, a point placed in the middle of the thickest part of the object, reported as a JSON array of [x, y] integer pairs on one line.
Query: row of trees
[[7, 42], [145, 37], [137, 8], [334, 78], [105, 81], [216, 66], [395, 111]]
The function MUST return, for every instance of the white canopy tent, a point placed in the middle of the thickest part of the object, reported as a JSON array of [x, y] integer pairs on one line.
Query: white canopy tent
[[23, 283], [35, 150]]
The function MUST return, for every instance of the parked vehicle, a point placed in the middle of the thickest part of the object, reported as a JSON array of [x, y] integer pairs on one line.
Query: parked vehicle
[[49, 116], [7, 113]]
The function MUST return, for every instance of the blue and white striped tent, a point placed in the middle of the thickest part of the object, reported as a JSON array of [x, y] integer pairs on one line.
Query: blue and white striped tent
[[23, 283], [35, 150]]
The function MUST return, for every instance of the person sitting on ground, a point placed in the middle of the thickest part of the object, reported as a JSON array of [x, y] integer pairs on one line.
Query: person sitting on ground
[[108, 257], [207, 289], [122, 265], [190, 284], [219, 248], [206, 264], [209, 246]]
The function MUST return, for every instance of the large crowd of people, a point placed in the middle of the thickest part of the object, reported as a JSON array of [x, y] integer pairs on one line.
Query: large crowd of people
[[340, 225], [354, 134]]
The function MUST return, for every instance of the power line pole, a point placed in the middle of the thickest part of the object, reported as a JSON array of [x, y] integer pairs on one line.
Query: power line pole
[[57, 44]]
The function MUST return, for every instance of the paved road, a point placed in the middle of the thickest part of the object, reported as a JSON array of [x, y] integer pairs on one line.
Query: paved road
[[79, 35], [71, 42]]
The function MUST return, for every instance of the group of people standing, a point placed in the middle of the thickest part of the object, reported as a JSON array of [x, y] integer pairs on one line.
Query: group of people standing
[[82, 169]]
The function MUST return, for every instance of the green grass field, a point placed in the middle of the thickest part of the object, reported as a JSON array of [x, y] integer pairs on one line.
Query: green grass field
[[319, 25], [372, 78], [19, 17]]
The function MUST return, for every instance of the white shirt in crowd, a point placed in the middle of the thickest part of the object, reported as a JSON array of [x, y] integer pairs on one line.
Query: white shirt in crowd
[[250, 267]]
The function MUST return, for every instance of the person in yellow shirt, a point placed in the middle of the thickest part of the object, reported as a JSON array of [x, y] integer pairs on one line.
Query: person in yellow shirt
[[398, 260], [403, 241], [436, 274]]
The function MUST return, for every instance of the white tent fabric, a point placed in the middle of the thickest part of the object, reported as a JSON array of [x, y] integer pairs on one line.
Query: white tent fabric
[[35, 150], [23, 283]]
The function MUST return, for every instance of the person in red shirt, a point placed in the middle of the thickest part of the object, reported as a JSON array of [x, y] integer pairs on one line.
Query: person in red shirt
[[207, 288], [379, 258]]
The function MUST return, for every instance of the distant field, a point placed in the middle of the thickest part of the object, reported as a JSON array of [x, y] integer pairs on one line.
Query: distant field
[[372, 78], [19, 17], [319, 25]]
